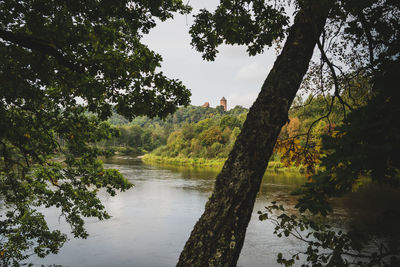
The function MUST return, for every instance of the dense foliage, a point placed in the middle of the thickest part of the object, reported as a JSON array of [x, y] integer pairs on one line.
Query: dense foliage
[[212, 137], [59, 61], [359, 147], [361, 154], [255, 24], [365, 145], [144, 134]]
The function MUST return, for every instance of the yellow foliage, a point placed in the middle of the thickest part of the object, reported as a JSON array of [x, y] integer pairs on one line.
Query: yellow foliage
[[340, 165], [356, 184], [293, 153]]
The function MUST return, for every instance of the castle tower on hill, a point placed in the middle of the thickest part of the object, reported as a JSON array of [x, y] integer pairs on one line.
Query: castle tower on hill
[[223, 103]]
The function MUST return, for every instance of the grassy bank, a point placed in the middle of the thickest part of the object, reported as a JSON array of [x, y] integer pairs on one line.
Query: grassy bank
[[149, 158], [275, 166]]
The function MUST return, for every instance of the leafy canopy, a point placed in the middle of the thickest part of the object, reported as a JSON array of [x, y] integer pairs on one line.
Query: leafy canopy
[[64, 66], [254, 23]]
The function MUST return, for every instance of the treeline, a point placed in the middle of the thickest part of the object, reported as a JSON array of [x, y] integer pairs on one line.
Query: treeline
[[209, 138], [198, 135], [143, 135]]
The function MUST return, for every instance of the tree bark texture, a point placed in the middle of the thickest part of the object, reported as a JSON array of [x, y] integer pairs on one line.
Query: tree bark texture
[[218, 236]]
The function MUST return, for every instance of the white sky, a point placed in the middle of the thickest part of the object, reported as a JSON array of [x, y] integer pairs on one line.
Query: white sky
[[234, 74]]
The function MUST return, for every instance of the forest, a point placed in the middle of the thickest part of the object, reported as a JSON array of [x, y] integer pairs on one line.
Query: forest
[[190, 132], [78, 83], [205, 136]]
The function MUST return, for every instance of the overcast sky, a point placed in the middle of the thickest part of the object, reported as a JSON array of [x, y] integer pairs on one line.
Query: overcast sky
[[234, 75]]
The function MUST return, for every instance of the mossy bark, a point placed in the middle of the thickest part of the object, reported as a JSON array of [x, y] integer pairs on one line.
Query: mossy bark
[[218, 236]]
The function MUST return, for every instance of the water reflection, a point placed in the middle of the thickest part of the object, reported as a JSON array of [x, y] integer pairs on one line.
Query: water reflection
[[151, 222]]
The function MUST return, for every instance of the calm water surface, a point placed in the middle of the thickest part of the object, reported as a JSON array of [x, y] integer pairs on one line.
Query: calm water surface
[[151, 222]]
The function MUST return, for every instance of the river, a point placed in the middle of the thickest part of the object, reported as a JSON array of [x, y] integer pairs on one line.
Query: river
[[151, 222]]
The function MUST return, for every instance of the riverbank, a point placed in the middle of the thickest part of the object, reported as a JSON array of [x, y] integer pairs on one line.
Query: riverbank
[[275, 166], [149, 158]]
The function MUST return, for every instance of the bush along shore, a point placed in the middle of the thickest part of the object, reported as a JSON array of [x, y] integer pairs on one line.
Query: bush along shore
[[274, 166]]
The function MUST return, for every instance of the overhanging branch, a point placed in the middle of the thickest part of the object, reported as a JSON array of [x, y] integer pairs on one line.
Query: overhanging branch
[[334, 77], [39, 45]]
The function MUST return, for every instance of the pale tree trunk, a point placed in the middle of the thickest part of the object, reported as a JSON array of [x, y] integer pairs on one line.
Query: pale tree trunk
[[218, 236]]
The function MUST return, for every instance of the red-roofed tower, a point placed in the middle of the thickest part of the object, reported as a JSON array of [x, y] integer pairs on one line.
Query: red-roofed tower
[[223, 103]]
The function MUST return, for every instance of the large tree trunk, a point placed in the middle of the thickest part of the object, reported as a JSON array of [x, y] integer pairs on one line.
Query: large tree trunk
[[218, 236]]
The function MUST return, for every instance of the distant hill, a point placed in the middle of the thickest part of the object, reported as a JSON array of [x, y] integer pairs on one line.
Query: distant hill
[[144, 134]]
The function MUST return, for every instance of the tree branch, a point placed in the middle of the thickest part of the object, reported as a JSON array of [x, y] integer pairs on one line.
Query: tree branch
[[39, 45], [335, 79], [367, 31]]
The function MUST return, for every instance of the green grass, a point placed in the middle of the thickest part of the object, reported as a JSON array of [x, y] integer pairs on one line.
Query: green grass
[[274, 166], [149, 158]]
